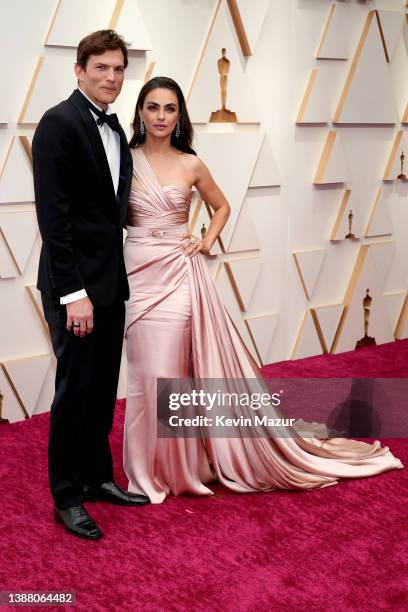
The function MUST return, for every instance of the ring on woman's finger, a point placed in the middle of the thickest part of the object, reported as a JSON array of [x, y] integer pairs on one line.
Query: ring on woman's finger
[[192, 240]]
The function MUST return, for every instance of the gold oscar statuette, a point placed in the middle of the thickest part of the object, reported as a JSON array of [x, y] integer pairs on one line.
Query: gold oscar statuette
[[402, 176], [1, 410], [366, 340], [223, 115], [203, 231], [350, 234]]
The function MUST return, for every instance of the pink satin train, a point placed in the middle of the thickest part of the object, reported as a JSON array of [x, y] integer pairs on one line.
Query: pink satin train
[[176, 325]]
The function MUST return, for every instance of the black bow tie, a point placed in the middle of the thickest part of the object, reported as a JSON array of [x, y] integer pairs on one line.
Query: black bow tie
[[111, 120]]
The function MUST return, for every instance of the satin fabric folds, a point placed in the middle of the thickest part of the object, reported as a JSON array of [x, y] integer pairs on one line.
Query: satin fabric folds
[[177, 326]]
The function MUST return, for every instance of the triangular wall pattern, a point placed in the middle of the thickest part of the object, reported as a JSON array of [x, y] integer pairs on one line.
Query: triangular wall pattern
[[16, 164], [332, 166], [245, 237], [335, 42], [327, 320], [248, 19], [394, 303], [383, 254], [367, 95], [351, 328], [379, 220], [19, 230], [308, 265], [341, 226], [399, 147], [28, 375], [314, 107], [307, 342], [242, 150], [206, 93], [390, 23], [243, 275], [13, 409], [67, 29], [266, 173], [53, 80]]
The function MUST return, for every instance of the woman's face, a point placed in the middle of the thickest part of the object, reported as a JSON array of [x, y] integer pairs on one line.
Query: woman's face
[[160, 112]]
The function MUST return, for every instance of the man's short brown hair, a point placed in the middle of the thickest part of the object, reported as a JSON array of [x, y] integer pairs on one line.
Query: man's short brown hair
[[99, 42]]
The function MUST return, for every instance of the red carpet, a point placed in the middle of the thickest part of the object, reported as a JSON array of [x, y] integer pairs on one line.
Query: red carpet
[[341, 548]]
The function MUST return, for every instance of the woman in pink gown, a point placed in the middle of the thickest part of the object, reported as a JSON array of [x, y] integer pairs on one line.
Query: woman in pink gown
[[177, 326]]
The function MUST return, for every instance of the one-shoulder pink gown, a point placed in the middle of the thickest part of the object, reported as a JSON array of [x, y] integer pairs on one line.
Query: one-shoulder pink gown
[[176, 325]]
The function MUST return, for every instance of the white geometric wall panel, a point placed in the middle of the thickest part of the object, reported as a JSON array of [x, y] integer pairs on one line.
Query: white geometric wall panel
[[307, 341], [399, 73], [394, 303], [391, 25], [35, 299], [266, 173], [47, 391], [19, 230], [315, 106], [131, 26], [383, 253], [55, 82], [245, 274], [399, 146], [16, 164], [74, 19], [252, 17], [328, 317], [177, 49], [245, 237], [28, 375], [8, 265], [353, 323], [367, 95], [379, 221], [401, 330], [4, 113], [262, 329], [12, 407], [241, 149], [336, 41], [341, 224], [332, 166], [308, 265], [206, 94]]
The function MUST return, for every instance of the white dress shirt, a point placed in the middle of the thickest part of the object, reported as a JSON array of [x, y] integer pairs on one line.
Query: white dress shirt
[[111, 144]]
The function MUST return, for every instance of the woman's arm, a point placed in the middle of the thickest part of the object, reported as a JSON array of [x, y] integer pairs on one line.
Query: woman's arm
[[212, 195]]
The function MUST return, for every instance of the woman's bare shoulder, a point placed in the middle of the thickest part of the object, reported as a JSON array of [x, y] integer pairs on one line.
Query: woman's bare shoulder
[[192, 162]]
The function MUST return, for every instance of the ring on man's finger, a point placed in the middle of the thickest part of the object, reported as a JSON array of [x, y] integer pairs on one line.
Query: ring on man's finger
[[76, 325]]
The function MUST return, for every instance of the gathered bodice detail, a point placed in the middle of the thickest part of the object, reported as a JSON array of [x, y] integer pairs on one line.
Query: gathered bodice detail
[[154, 205]]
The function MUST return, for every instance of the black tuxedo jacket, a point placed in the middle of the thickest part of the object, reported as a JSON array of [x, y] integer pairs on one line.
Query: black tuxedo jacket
[[79, 215]]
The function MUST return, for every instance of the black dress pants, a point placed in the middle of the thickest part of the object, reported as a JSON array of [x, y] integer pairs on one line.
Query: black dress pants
[[83, 406]]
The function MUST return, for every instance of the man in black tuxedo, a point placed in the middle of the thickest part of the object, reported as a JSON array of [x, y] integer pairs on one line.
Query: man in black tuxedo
[[82, 175]]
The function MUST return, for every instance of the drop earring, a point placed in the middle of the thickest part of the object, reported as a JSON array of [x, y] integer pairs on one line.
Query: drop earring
[[142, 126], [177, 134]]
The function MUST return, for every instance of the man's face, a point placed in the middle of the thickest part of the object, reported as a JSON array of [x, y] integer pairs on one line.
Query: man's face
[[102, 78]]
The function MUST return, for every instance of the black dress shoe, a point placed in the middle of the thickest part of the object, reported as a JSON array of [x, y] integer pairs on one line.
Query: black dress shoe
[[110, 492], [76, 520]]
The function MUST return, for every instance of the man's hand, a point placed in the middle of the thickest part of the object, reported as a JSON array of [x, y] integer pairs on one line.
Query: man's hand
[[80, 317]]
